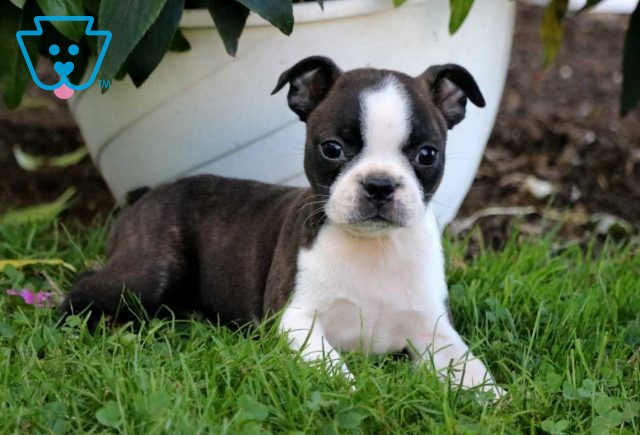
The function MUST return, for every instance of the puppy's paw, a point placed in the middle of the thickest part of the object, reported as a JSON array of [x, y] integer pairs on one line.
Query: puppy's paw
[[492, 393], [339, 368], [349, 377], [346, 373], [480, 379]]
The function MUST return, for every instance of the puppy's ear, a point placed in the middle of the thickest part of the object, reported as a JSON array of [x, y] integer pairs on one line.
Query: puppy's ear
[[310, 81], [450, 85]]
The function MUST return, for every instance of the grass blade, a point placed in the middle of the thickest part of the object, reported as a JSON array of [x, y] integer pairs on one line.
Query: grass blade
[[19, 264], [38, 213]]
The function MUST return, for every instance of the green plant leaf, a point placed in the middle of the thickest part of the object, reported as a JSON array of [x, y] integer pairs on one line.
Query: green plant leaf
[[398, 3], [609, 420], [71, 29], [19, 3], [459, 11], [92, 6], [14, 74], [554, 427], [122, 73], [318, 402], [80, 63], [179, 42], [9, 270], [587, 389], [631, 65], [277, 12], [34, 162], [6, 265], [6, 331], [50, 36], [158, 400], [109, 415], [603, 404], [569, 392], [41, 212], [349, 419], [551, 30], [630, 410], [128, 21], [229, 18], [252, 410], [562, 424], [155, 43], [589, 4]]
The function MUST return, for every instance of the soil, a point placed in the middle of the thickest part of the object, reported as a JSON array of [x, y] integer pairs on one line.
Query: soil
[[560, 126]]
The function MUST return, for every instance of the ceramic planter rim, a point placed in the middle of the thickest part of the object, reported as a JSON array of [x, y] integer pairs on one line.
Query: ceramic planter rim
[[135, 123]]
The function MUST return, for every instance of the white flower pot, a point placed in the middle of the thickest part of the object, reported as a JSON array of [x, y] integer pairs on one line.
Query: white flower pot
[[203, 111]]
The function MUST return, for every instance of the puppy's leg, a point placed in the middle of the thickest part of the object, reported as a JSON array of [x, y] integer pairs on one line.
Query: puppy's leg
[[435, 337], [306, 335], [145, 259], [105, 292], [442, 344]]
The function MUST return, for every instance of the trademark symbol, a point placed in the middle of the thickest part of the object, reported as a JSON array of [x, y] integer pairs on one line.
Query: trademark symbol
[[105, 84]]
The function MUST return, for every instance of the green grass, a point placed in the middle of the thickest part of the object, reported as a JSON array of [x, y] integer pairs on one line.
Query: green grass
[[559, 329]]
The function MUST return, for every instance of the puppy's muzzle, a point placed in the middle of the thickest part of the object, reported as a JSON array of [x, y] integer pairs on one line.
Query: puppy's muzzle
[[379, 191]]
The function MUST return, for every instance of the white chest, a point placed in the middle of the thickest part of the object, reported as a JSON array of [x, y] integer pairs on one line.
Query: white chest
[[372, 294]]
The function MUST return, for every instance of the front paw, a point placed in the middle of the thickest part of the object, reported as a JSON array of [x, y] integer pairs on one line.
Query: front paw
[[331, 363], [344, 370], [338, 368], [493, 393], [484, 383], [474, 376]]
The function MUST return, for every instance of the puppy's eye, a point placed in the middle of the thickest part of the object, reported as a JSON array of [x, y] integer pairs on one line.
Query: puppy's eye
[[427, 156], [331, 150]]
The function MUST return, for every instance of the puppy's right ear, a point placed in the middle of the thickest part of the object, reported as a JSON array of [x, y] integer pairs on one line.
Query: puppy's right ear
[[310, 80], [450, 85]]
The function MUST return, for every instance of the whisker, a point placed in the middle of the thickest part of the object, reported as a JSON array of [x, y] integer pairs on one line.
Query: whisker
[[310, 204], [325, 187], [313, 214]]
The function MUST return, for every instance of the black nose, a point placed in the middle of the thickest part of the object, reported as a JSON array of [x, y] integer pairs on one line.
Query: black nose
[[379, 190]]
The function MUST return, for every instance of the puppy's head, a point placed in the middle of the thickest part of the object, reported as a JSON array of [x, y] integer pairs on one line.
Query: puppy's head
[[376, 139]]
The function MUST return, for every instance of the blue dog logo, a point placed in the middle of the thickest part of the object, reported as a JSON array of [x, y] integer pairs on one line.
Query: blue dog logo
[[64, 88]]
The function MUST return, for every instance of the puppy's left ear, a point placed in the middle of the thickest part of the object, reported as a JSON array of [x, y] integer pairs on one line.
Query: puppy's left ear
[[310, 81], [450, 85]]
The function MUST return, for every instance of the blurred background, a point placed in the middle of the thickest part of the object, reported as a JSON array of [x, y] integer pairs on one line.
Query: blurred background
[[560, 155]]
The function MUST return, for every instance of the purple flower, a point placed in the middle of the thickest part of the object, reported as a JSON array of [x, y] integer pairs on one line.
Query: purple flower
[[37, 299]]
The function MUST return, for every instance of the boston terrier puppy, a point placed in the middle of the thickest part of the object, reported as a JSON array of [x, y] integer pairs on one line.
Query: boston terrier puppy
[[355, 260]]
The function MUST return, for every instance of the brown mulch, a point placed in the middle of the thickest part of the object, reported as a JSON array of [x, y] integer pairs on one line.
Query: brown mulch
[[559, 126], [562, 126], [44, 126]]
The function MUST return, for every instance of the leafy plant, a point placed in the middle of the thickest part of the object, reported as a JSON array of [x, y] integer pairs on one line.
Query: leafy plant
[[146, 30]]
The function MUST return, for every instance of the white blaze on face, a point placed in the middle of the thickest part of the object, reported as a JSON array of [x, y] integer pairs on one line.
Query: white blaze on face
[[385, 126], [385, 120]]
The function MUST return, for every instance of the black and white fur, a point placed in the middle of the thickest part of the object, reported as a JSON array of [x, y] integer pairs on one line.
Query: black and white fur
[[355, 260]]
